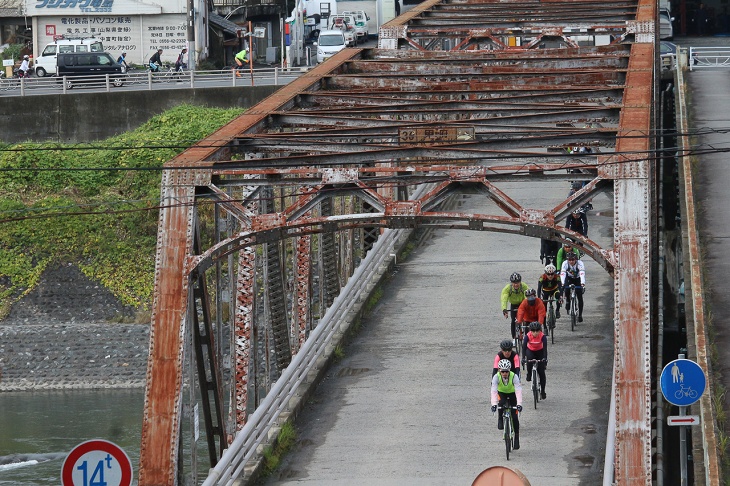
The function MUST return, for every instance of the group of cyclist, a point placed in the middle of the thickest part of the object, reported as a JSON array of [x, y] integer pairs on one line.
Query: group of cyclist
[[525, 306]]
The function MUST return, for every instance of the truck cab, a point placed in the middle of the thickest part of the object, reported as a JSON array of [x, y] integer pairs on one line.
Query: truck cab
[[345, 23], [361, 23]]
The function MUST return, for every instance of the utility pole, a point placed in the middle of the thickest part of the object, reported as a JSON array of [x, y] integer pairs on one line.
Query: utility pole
[[192, 54]]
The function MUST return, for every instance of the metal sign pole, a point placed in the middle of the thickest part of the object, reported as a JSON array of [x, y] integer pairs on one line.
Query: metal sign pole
[[683, 448]]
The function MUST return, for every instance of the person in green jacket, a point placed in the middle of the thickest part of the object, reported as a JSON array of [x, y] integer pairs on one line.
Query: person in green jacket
[[512, 296], [241, 58], [563, 252]]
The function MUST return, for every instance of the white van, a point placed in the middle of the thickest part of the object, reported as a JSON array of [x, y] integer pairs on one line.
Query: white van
[[45, 63], [329, 43], [361, 23]]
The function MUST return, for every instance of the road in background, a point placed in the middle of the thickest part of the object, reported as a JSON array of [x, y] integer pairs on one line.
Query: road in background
[[409, 403]]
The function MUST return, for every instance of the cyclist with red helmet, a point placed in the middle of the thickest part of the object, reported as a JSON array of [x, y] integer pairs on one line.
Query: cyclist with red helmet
[[512, 296]]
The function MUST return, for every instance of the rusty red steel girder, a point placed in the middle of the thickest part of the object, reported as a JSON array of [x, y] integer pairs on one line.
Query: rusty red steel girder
[[341, 130]]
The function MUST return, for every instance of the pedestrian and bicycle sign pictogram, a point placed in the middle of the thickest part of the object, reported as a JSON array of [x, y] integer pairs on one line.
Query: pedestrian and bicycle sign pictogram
[[97, 463], [683, 382]]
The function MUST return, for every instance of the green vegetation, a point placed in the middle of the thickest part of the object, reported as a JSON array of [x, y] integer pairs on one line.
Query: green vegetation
[[273, 454], [12, 52], [92, 205]]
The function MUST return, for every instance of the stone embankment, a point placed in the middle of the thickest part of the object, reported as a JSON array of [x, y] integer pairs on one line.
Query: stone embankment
[[66, 335]]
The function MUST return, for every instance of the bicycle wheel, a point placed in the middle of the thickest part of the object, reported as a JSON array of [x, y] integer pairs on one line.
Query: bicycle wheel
[[550, 323], [507, 433], [535, 395], [573, 311]]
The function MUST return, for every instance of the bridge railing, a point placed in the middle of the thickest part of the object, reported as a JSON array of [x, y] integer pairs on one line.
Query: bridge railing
[[321, 342], [145, 80], [709, 57]]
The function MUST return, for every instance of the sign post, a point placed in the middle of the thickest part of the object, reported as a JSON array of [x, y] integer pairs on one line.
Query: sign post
[[96, 462], [682, 382]]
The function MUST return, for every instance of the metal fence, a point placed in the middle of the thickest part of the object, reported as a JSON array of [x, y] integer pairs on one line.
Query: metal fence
[[709, 57], [147, 80]]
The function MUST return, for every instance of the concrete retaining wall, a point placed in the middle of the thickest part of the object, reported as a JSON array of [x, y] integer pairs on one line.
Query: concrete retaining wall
[[87, 117]]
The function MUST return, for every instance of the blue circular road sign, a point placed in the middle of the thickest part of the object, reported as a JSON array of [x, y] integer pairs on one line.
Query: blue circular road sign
[[683, 382]]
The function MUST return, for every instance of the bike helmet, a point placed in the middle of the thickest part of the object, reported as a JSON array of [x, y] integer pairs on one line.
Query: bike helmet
[[506, 345], [535, 326], [571, 256], [26, 56], [550, 269], [530, 293], [515, 277], [504, 365]]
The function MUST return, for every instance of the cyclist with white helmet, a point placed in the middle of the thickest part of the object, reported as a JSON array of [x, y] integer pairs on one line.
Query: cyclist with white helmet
[[534, 346], [506, 352], [507, 390], [512, 296], [548, 286], [573, 272], [577, 221], [24, 69]]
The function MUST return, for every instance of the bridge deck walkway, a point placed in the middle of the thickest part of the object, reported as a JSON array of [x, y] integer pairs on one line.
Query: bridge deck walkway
[[709, 109], [409, 403]]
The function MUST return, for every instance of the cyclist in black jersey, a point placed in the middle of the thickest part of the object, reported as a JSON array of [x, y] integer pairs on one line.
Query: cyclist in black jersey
[[548, 284]]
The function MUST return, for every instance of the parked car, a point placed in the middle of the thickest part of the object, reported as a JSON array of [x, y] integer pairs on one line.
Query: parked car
[[45, 64], [90, 67], [329, 43], [666, 30]]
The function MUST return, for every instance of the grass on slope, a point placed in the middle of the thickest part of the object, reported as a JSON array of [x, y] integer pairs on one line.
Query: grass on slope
[[87, 204]]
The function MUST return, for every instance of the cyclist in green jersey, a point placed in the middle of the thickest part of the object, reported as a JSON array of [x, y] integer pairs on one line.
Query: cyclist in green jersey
[[507, 391], [512, 296]]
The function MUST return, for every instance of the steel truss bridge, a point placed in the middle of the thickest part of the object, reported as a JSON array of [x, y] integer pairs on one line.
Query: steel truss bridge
[[265, 221]]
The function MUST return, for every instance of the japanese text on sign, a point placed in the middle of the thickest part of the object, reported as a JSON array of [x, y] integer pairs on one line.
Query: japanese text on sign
[[432, 135]]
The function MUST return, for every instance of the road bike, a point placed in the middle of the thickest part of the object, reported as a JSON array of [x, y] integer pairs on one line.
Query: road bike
[[13, 82], [550, 318], [535, 376], [574, 305], [508, 433], [521, 330]]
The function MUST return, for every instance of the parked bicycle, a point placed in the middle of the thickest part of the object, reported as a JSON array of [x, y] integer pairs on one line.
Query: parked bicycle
[[508, 433], [15, 81], [536, 387]]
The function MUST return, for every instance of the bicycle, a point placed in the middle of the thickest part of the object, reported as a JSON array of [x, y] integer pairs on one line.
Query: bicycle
[[685, 391], [550, 319], [521, 331], [573, 305], [535, 376], [508, 434], [13, 82]]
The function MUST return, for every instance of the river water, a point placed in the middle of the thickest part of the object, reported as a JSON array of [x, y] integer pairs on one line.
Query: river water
[[38, 430]]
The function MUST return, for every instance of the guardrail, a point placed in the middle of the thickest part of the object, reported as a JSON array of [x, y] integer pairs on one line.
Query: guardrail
[[709, 57], [321, 342], [135, 79]]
